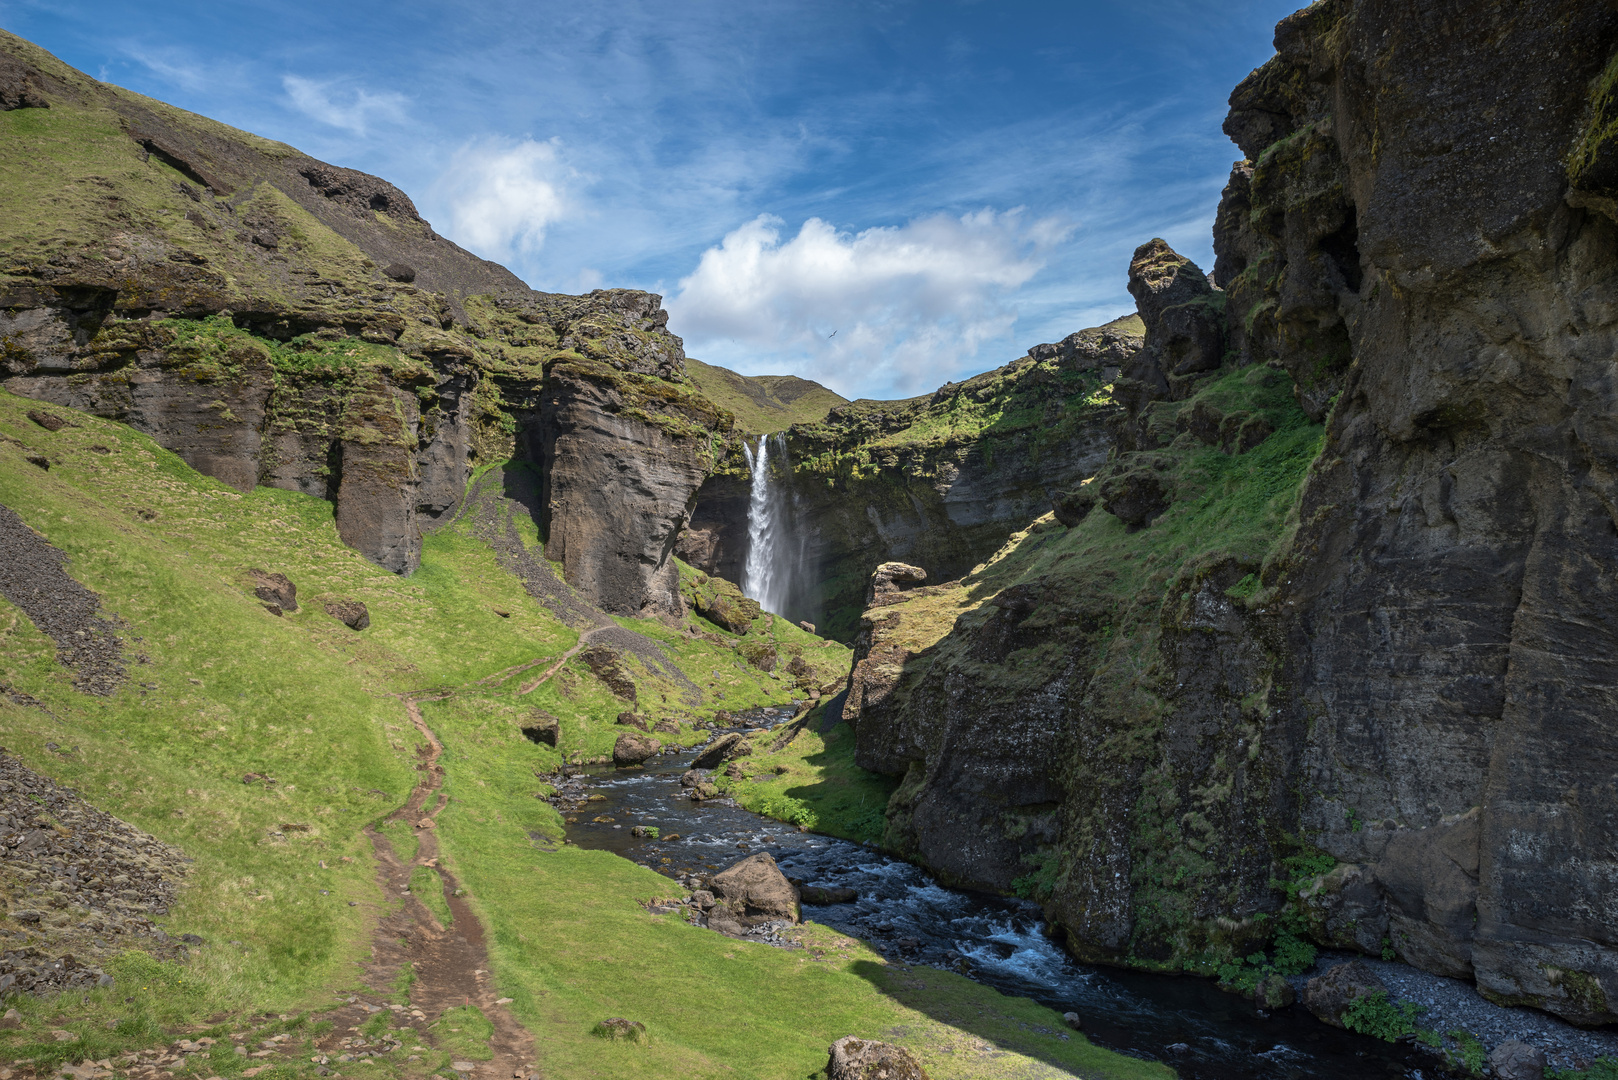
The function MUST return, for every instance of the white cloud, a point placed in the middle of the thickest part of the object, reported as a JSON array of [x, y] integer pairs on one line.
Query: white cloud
[[899, 306], [317, 101], [502, 195]]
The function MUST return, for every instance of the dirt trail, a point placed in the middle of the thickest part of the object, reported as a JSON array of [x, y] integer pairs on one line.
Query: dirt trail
[[451, 964]]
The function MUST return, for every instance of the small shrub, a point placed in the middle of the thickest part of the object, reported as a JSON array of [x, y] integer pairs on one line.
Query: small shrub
[[1375, 1015], [1468, 1053]]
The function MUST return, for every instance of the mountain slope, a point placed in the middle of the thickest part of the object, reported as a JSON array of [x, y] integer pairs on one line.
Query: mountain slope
[[763, 404]]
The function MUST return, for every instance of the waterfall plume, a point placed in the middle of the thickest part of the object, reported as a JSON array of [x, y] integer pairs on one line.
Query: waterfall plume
[[774, 545]]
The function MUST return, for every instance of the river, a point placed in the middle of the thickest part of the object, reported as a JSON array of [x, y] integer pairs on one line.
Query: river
[[902, 912]]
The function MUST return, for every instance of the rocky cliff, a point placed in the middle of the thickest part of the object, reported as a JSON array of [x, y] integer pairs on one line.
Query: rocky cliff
[[1344, 681], [276, 320], [939, 480]]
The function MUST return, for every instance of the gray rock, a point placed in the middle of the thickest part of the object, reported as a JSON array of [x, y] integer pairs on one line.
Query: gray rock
[[730, 745], [1517, 1061], [631, 749], [1329, 994], [275, 589], [351, 613], [854, 1058]]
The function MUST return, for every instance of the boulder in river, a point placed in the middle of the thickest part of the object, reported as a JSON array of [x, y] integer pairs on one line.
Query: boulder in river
[[1328, 995], [722, 749], [756, 891], [821, 895], [853, 1058], [633, 749]]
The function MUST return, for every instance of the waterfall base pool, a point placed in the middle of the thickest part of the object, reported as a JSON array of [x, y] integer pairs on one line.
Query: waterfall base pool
[[1186, 1022]]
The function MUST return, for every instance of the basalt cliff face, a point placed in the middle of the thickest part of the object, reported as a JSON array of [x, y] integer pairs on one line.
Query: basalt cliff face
[[939, 480], [1331, 659], [276, 320]]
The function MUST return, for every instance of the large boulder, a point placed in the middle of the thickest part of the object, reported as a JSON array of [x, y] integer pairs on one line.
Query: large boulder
[[631, 749], [889, 580], [351, 613], [542, 728], [1328, 995], [853, 1058], [1072, 507], [722, 749], [1517, 1061], [275, 589], [755, 891], [634, 720]]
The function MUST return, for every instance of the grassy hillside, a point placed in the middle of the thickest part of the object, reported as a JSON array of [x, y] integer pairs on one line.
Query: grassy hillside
[[763, 404], [220, 688]]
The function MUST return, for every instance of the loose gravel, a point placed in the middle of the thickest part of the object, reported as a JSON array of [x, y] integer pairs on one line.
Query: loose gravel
[[1452, 1005], [32, 576], [77, 884]]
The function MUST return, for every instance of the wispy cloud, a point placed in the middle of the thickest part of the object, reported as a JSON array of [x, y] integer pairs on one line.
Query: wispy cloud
[[352, 110], [896, 306], [503, 195]]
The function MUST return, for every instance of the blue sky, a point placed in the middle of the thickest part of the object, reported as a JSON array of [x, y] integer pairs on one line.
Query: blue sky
[[880, 195]]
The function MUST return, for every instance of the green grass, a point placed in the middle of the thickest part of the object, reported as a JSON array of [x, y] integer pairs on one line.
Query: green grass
[[227, 689], [428, 887], [813, 781], [763, 404]]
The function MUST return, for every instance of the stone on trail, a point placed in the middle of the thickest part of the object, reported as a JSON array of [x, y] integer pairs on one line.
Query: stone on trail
[[853, 1058], [1328, 995], [755, 891], [633, 749], [351, 613]]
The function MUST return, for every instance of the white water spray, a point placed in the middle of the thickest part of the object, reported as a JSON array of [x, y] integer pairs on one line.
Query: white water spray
[[774, 552]]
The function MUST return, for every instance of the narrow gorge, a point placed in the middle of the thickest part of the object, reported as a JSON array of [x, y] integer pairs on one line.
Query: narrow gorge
[[1260, 635]]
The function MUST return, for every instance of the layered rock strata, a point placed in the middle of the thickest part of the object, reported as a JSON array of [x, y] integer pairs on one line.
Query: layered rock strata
[[278, 321], [939, 480], [1385, 722]]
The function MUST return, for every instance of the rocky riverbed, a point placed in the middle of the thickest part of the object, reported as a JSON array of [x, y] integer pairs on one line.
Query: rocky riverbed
[[911, 919]]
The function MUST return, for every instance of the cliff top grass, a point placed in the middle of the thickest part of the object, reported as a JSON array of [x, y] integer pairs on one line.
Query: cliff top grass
[[220, 688], [1041, 399], [763, 404], [1225, 506]]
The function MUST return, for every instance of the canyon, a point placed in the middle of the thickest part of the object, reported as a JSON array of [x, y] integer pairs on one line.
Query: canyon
[[1273, 616]]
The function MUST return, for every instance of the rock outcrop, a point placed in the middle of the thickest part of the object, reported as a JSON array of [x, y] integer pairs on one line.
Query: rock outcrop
[[939, 480], [1343, 655], [278, 321]]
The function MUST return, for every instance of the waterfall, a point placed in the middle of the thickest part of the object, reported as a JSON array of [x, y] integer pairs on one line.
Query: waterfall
[[774, 548]]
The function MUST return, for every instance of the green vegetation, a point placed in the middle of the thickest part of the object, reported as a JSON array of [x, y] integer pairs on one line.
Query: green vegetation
[[1468, 1055], [763, 404], [811, 780], [1605, 1068], [428, 887], [1375, 1015], [225, 688]]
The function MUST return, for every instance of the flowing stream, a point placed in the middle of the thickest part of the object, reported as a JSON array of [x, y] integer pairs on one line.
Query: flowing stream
[[907, 916]]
